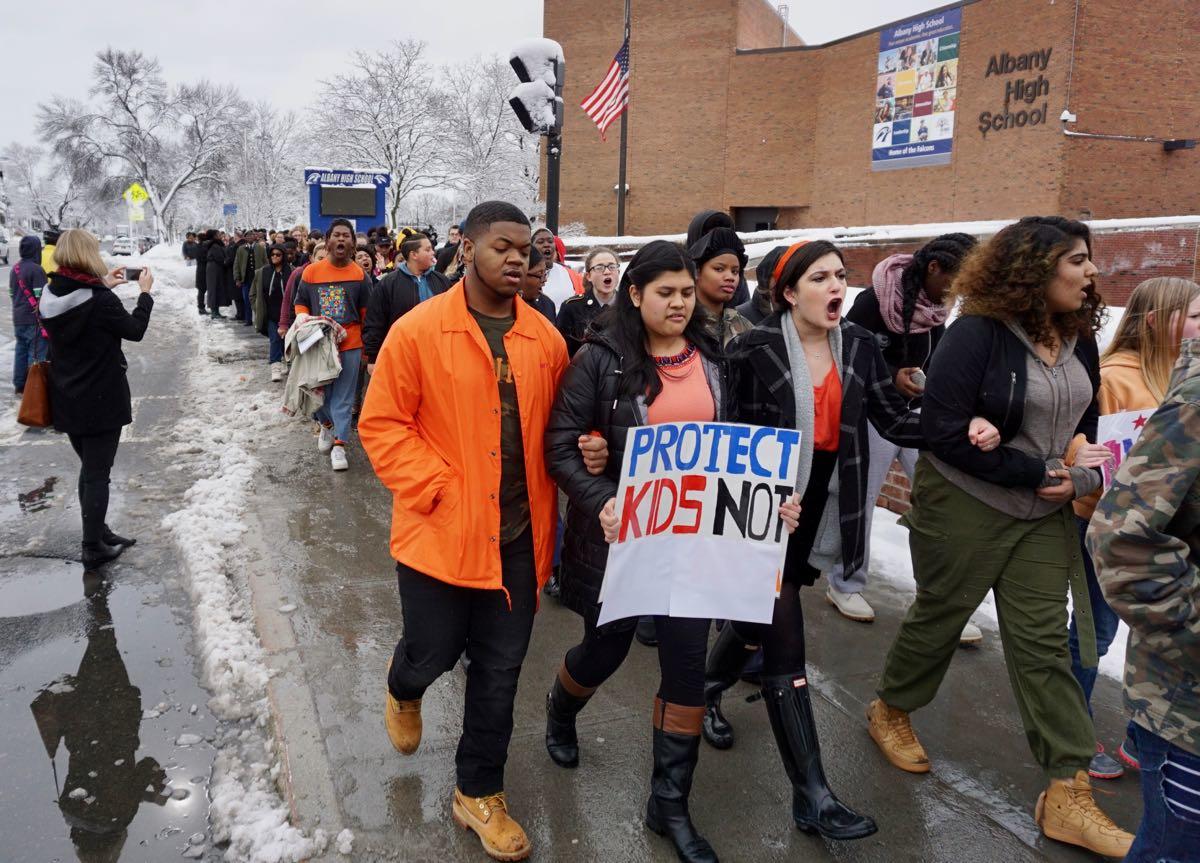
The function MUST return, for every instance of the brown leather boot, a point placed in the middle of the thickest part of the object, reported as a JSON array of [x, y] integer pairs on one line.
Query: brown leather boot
[[1067, 812], [893, 733], [501, 837], [403, 720]]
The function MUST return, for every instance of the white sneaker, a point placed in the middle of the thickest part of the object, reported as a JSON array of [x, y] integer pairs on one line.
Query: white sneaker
[[325, 440], [276, 372], [971, 636], [850, 605], [337, 458]]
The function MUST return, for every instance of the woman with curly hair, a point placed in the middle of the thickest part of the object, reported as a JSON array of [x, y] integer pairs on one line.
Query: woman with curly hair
[[1023, 355]]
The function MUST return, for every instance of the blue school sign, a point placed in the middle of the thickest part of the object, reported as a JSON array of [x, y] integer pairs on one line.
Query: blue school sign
[[360, 196]]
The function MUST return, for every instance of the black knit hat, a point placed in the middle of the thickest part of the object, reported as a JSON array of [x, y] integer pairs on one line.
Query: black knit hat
[[717, 242]]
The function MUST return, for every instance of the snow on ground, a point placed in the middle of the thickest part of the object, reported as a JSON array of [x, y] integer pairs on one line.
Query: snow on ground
[[215, 441], [890, 559]]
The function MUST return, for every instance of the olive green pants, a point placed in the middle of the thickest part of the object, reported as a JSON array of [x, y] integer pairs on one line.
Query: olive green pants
[[961, 549]]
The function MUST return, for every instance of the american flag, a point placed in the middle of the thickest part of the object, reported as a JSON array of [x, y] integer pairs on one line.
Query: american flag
[[607, 101]]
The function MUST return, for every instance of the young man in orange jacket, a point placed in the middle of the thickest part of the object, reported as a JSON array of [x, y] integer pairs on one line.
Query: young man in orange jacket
[[453, 423]]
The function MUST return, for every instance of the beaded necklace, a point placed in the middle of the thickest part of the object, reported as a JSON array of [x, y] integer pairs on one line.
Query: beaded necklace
[[676, 360]]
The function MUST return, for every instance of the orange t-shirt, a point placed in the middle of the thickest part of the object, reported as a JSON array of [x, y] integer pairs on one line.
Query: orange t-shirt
[[827, 412], [685, 395]]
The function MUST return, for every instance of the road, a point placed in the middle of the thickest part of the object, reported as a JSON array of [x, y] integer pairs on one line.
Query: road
[[308, 555]]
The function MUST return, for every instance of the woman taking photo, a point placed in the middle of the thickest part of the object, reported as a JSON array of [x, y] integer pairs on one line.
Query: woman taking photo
[[1023, 355], [1135, 373], [648, 359], [906, 310], [720, 258], [805, 368], [89, 394]]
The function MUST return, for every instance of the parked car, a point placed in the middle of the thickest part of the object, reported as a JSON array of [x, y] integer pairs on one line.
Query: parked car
[[3, 246], [122, 246]]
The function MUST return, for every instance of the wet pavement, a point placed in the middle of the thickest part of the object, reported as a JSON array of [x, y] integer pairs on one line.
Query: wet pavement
[[315, 556], [105, 749]]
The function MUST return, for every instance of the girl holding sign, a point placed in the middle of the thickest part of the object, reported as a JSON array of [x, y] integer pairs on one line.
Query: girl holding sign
[[1135, 372], [1023, 355], [647, 360], [805, 368]]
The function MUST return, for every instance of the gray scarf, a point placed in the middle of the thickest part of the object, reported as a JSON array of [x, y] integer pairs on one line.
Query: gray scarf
[[827, 547]]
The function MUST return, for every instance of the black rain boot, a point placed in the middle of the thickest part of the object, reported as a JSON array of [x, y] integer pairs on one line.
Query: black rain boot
[[646, 632], [563, 703], [815, 808], [726, 659], [675, 754], [97, 553], [111, 538]]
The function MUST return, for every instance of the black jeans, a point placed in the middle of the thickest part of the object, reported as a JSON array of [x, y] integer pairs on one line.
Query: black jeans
[[97, 452], [201, 293], [440, 621], [682, 645]]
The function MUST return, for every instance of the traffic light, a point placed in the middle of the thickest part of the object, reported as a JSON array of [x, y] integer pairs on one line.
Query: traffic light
[[537, 100]]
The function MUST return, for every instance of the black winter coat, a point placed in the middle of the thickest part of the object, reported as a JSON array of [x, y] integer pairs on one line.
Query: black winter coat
[[394, 296], [201, 254], [588, 400], [980, 370], [89, 392], [574, 316], [900, 351], [214, 273], [764, 395], [227, 285]]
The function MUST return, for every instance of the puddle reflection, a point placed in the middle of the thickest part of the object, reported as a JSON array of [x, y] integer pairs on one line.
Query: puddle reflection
[[97, 713]]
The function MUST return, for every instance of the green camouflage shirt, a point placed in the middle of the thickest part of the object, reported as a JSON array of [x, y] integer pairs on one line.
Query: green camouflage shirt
[[1145, 540]]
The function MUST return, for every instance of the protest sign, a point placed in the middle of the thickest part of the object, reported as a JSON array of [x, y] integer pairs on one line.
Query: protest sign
[[1119, 432], [700, 533]]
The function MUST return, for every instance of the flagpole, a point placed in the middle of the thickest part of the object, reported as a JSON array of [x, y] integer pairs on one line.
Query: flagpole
[[624, 140]]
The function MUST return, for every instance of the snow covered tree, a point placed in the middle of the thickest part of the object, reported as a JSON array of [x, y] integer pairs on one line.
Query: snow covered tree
[[55, 187], [488, 153], [381, 114], [265, 169], [165, 139]]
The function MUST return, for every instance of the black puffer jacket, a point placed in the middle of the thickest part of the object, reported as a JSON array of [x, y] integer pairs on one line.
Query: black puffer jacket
[[587, 401], [89, 392]]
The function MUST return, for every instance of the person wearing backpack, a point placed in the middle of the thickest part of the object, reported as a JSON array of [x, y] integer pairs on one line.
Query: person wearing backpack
[[25, 283]]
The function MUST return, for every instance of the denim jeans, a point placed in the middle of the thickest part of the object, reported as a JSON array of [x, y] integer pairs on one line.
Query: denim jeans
[[31, 348], [276, 354], [1105, 618], [339, 396], [1170, 828]]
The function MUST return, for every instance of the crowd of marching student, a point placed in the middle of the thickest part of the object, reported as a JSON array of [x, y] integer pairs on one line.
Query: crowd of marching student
[[994, 417]]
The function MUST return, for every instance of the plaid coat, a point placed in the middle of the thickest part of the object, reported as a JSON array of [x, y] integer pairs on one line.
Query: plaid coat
[[763, 395]]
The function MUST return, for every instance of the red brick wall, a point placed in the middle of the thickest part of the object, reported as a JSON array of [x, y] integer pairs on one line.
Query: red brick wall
[[711, 127]]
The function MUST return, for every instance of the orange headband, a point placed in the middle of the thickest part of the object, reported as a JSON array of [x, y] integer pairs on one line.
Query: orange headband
[[783, 259]]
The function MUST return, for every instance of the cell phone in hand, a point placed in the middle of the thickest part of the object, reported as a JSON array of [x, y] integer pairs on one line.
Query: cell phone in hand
[[132, 274], [918, 378]]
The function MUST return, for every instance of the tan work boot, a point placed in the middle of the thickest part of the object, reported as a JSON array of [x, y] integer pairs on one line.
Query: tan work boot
[[403, 720], [893, 733], [501, 837], [1066, 811]]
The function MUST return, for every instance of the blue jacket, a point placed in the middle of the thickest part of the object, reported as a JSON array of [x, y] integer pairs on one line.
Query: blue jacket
[[28, 272]]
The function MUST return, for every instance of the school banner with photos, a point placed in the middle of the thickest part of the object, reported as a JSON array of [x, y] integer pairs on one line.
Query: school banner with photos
[[916, 83], [700, 532], [1119, 432]]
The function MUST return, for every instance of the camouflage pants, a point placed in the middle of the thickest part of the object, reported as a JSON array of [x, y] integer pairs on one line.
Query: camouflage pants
[[961, 549]]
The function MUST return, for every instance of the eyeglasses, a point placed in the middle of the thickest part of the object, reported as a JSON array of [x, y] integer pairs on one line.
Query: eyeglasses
[[605, 268]]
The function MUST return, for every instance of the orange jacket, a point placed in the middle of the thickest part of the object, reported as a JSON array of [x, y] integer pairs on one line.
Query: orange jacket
[[431, 427], [1122, 388], [576, 280]]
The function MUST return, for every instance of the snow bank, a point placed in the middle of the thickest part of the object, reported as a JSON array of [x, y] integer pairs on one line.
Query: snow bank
[[216, 441], [870, 233]]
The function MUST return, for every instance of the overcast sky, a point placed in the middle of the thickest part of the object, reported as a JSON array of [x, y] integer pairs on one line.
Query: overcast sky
[[278, 50]]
